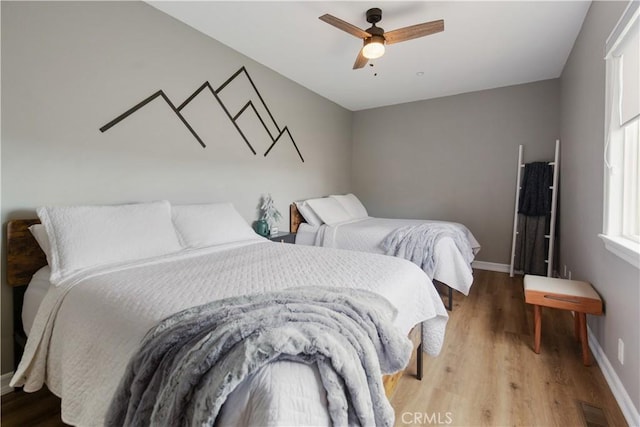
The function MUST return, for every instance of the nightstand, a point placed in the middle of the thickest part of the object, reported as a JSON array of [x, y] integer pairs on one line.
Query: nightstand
[[283, 237]]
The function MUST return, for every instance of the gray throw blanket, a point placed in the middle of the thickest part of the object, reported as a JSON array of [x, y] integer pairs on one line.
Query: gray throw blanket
[[190, 362], [535, 196], [417, 243], [530, 253]]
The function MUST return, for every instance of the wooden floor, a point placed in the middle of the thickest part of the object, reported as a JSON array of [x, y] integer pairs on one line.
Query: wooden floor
[[40, 409], [487, 373]]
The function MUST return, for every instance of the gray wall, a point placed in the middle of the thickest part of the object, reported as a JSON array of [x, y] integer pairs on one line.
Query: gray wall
[[69, 68], [455, 158], [583, 112]]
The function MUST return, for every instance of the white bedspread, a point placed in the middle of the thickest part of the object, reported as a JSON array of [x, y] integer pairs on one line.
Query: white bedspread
[[366, 235], [86, 331]]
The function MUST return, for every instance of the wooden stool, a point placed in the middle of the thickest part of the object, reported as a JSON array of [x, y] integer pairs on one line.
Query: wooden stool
[[574, 295]]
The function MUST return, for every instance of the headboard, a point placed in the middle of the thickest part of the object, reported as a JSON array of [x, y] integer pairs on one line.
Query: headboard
[[295, 218], [24, 256]]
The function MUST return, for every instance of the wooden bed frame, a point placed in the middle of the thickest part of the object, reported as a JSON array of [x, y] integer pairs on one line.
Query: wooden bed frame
[[24, 258], [295, 218]]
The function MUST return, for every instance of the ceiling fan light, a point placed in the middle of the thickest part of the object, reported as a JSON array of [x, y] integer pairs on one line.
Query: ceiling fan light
[[373, 48]]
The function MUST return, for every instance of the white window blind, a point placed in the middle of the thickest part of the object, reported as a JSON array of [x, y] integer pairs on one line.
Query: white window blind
[[629, 50], [624, 43]]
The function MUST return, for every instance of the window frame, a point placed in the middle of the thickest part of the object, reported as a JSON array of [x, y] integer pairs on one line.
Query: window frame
[[617, 235]]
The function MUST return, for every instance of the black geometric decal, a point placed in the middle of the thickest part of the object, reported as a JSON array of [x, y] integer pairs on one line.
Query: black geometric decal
[[234, 118]]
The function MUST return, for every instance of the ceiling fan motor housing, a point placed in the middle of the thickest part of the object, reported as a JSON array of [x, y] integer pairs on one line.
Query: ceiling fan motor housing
[[375, 31]]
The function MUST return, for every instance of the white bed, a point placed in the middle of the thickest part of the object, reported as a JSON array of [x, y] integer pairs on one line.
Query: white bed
[[87, 327], [365, 233]]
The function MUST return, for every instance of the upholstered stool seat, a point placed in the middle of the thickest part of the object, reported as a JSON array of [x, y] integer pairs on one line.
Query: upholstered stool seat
[[574, 295]]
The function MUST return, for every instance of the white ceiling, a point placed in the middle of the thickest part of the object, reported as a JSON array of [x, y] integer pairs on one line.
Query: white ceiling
[[484, 45]]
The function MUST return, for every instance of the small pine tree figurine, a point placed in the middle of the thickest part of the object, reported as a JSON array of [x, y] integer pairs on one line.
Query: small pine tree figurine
[[269, 212]]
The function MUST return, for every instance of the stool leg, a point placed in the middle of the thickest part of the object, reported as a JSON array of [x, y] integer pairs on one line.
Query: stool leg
[[583, 337], [419, 362], [576, 325], [537, 327]]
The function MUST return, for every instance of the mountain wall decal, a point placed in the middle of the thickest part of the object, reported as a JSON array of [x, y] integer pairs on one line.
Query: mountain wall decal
[[234, 118]]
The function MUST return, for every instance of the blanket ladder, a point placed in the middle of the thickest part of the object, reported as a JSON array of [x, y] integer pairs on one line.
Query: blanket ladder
[[549, 238]]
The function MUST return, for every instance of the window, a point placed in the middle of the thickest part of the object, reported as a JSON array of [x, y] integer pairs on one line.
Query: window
[[621, 228]]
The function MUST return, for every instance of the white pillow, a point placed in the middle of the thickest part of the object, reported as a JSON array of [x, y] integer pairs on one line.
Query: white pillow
[[210, 224], [352, 205], [308, 214], [89, 236], [40, 234], [329, 210]]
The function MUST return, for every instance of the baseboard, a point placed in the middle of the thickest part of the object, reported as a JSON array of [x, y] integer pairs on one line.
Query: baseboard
[[491, 266], [4, 383], [627, 407]]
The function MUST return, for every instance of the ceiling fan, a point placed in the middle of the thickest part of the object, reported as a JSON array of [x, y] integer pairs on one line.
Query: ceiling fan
[[375, 38]]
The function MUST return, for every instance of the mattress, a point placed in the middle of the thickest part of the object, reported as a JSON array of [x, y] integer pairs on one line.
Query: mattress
[[33, 296], [306, 234], [367, 234], [86, 330]]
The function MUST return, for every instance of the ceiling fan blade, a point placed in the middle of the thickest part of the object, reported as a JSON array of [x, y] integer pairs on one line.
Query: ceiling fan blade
[[414, 31], [344, 26], [361, 61]]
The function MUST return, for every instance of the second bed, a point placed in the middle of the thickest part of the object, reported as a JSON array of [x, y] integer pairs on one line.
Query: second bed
[[357, 231]]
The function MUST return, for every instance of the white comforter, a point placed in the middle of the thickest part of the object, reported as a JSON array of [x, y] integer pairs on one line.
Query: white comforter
[[366, 235], [86, 330]]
